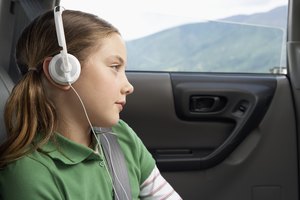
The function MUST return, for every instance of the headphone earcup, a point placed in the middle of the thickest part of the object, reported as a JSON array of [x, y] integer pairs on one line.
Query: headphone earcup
[[56, 69]]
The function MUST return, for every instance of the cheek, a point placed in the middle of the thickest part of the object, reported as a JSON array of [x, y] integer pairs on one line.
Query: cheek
[[102, 87], [98, 81], [92, 77], [100, 94]]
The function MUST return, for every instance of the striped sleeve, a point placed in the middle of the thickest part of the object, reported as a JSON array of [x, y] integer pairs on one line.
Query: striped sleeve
[[155, 187]]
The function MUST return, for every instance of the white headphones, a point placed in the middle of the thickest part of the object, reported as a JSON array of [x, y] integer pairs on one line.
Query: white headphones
[[64, 68]]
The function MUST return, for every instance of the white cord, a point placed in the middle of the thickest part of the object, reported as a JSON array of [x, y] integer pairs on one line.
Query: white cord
[[100, 148], [85, 112]]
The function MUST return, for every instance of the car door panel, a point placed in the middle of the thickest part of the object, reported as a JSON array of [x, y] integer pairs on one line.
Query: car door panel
[[252, 166]]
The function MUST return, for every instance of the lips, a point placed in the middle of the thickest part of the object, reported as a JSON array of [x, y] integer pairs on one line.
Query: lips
[[121, 104]]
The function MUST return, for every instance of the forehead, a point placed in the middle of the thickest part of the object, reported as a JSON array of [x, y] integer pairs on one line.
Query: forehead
[[109, 49], [113, 44]]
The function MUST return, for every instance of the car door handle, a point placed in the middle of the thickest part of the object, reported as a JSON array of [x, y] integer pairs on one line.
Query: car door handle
[[206, 104]]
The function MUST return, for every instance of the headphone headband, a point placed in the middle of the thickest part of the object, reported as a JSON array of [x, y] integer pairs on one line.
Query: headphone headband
[[61, 39], [60, 28]]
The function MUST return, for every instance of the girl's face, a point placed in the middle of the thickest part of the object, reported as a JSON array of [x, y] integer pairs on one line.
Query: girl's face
[[103, 85]]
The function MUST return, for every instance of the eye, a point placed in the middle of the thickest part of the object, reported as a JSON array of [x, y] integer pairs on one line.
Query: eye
[[116, 67]]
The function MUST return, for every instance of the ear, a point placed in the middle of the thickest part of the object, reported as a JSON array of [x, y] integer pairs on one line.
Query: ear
[[47, 75]]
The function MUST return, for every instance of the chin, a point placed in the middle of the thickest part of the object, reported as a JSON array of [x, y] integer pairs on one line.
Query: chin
[[113, 123], [108, 122]]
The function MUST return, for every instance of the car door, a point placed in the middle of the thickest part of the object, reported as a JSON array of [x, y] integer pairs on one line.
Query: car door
[[246, 149], [223, 135]]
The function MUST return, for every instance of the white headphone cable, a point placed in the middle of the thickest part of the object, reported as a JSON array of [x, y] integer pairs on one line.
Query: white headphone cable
[[100, 148]]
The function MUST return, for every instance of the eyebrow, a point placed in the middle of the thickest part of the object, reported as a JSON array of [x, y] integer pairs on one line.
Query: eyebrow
[[119, 58]]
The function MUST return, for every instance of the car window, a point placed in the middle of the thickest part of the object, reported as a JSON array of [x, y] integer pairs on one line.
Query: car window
[[195, 36]]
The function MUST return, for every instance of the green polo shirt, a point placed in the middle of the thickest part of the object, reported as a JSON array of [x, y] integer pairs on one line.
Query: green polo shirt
[[74, 171]]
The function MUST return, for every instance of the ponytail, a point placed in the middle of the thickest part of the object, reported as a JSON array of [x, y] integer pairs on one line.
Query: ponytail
[[27, 112]]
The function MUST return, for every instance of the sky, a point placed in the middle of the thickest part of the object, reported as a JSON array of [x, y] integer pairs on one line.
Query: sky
[[138, 18]]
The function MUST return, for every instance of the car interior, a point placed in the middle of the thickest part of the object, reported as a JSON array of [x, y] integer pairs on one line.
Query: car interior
[[216, 136], [6, 85]]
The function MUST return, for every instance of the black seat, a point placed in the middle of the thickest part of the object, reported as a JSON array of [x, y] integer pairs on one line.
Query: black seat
[[6, 85]]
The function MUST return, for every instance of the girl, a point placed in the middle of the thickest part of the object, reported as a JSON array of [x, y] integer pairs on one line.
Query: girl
[[51, 152]]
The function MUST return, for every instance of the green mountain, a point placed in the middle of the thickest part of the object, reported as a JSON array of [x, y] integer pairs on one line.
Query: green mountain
[[214, 46]]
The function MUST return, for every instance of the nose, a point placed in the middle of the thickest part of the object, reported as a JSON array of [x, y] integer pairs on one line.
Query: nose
[[128, 88]]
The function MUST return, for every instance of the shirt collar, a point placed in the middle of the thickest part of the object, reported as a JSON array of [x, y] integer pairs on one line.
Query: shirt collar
[[69, 152]]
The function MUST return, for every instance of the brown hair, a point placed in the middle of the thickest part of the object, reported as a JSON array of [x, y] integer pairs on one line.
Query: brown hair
[[28, 111]]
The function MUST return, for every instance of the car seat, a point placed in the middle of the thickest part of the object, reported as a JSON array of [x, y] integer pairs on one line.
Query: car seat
[[6, 85]]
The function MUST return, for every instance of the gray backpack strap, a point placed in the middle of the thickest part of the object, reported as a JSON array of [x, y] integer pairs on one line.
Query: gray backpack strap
[[116, 164]]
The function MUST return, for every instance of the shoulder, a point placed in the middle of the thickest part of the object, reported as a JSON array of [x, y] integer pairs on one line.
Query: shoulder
[[125, 132], [136, 153], [28, 176], [127, 137], [122, 126], [29, 164]]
